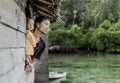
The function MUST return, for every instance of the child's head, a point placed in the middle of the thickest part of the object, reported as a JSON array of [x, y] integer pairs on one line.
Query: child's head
[[43, 25], [30, 24]]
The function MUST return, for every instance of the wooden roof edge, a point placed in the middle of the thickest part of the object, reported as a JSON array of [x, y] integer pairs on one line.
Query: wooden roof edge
[[46, 8]]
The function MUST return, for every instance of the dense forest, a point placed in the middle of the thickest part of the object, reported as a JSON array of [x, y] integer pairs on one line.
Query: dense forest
[[92, 25]]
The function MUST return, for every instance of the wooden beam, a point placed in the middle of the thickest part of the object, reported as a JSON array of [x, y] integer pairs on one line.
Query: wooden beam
[[40, 8], [44, 2], [44, 14]]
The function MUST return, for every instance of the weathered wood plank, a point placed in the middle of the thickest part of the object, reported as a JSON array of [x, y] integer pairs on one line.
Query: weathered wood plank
[[8, 12], [10, 59], [12, 43], [41, 68], [21, 20], [3, 79], [16, 75], [20, 39], [18, 55], [10, 37], [12, 15]]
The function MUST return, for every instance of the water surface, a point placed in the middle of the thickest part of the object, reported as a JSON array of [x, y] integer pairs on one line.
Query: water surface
[[87, 68]]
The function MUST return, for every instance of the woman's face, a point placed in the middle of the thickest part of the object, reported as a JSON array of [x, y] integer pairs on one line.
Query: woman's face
[[44, 26]]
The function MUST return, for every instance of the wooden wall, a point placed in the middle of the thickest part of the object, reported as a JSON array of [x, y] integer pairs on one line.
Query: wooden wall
[[12, 43], [12, 46], [41, 69]]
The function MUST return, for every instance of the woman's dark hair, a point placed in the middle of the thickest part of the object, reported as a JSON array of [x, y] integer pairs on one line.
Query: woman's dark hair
[[38, 19]]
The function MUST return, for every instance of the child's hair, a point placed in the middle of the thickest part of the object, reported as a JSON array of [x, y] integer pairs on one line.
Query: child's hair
[[27, 19]]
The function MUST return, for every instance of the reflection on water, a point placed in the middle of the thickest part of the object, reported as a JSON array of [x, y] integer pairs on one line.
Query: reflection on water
[[58, 80], [87, 68]]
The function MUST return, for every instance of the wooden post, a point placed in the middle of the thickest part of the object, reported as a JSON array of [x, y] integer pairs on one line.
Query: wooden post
[[41, 69]]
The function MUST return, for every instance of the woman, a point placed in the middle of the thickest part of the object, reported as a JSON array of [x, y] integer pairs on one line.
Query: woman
[[41, 28]]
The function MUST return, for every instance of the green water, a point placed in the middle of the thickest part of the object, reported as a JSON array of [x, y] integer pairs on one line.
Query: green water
[[87, 68]]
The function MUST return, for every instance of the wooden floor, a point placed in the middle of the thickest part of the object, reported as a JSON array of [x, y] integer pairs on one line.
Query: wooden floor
[[41, 69]]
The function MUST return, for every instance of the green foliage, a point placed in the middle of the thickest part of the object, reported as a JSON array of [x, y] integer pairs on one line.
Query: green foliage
[[105, 38], [111, 17], [97, 39], [55, 26], [97, 25], [113, 36], [105, 25], [71, 37], [90, 13], [78, 36], [88, 36]]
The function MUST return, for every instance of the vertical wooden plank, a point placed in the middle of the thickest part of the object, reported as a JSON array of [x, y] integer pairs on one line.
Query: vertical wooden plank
[[41, 69], [8, 10], [10, 37], [20, 39], [12, 42], [12, 15], [11, 58], [6, 61], [21, 20]]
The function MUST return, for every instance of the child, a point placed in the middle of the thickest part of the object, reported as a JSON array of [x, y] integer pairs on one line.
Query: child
[[30, 44]]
